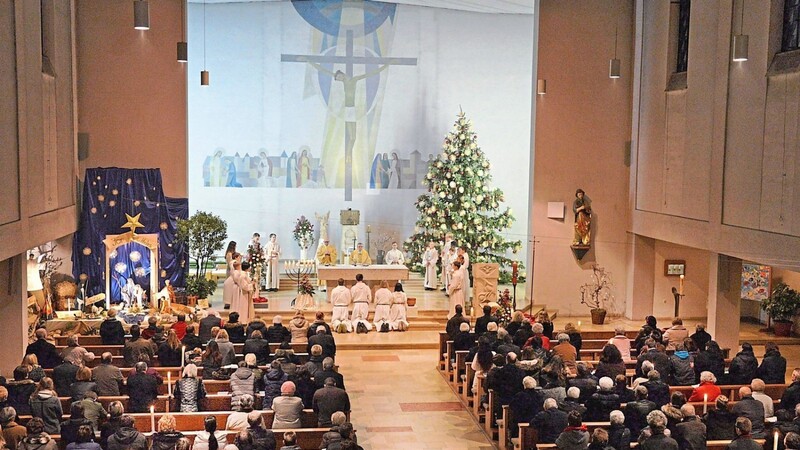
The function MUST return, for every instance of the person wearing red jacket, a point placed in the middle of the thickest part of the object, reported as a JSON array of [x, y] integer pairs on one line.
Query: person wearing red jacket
[[707, 387]]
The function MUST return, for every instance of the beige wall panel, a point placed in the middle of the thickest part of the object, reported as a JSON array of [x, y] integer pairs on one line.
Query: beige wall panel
[[674, 153], [9, 142], [694, 303], [64, 107]]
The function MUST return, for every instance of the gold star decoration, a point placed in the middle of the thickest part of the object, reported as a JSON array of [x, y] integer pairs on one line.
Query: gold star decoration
[[133, 222]]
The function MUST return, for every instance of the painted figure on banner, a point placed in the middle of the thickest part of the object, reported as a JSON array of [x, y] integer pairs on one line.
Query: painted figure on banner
[[385, 171], [360, 256], [375, 181], [582, 207], [430, 258], [323, 227], [273, 251], [304, 167], [291, 171], [395, 256], [394, 172]]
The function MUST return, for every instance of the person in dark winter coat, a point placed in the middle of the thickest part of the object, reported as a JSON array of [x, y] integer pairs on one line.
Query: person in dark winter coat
[[710, 360], [506, 381], [114, 423], [571, 402], [235, 328], [619, 436], [549, 423], [208, 322], [277, 332], [611, 363], [324, 339], [258, 346], [69, 427], [463, 340], [791, 441], [657, 390], [649, 330], [20, 391], [525, 404], [700, 337], [743, 367], [145, 386], [46, 406], [584, 381], [111, 331], [83, 384], [85, 440], [791, 396], [170, 351], [621, 388], [601, 403], [575, 436], [45, 352], [744, 440], [691, 433], [659, 359], [682, 370], [600, 440], [319, 321], [720, 422], [773, 366], [454, 323], [481, 323], [751, 408], [191, 340], [127, 437], [636, 411], [328, 372], [672, 410], [654, 438], [273, 380]]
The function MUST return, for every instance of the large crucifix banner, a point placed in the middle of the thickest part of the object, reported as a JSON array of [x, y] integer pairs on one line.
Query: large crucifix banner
[[326, 105]]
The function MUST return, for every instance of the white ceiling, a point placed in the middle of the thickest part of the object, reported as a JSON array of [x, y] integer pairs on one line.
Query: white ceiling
[[482, 6]]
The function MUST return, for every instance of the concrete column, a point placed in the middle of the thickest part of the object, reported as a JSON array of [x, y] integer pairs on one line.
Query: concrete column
[[13, 313], [641, 278], [724, 299]]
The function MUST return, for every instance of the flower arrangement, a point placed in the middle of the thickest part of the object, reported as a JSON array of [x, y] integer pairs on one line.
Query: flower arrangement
[[305, 286], [504, 309], [255, 256], [303, 232]]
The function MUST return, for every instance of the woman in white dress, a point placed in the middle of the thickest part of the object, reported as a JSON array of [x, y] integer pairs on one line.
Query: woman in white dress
[[229, 288], [383, 303], [242, 300], [394, 172], [230, 256], [397, 315]]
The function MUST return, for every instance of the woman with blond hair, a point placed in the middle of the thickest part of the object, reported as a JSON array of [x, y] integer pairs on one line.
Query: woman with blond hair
[[516, 322], [189, 390], [35, 371], [83, 384], [167, 437], [169, 352], [46, 406], [226, 348], [383, 303]]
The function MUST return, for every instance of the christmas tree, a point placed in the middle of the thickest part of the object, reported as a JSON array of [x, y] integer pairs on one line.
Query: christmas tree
[[461, 201]]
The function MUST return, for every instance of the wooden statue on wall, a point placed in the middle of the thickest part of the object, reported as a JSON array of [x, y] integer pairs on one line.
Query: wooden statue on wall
[[582, 207]]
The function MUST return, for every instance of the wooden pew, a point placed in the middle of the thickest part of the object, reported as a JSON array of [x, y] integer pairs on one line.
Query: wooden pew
[[476, 398], [215, 402], [466, 390], [459, 369], [443, 338], [489, 424], [448, 367], [117, 350]]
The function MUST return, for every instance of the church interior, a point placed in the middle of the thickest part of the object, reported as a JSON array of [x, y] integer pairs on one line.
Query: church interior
[[632, 158]]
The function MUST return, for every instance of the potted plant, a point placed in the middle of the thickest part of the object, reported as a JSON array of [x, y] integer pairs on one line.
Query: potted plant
[[597, 294], [304, 235], [782, 304], [203, 233]]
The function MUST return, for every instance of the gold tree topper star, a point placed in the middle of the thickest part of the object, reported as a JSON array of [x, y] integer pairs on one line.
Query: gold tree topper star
[[133, 222]]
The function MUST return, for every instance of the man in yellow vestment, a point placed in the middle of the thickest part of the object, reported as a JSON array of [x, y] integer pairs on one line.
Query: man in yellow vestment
[[326, 253], [360, 256]]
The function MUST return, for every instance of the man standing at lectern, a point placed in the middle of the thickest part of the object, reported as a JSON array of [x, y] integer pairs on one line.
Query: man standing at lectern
[[360, 256], [340, 298]]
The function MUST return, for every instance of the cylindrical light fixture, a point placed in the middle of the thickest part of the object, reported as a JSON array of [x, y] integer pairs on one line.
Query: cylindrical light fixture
[[740, 41], [204, 72], [541, 86], [141, 15], [183, 52], [203, 78], [613, 68]]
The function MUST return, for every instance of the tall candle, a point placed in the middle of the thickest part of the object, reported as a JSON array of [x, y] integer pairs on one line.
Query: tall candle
[[705, 403], [680, 290], [183, 356], [152, 418], [775, 441], [169, 384]]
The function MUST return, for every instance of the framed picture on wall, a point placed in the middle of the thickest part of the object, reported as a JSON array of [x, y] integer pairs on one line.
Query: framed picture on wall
[[674, 267], [756, 281]]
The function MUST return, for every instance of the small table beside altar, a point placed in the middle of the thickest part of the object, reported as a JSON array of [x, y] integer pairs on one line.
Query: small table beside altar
[[373, 275]]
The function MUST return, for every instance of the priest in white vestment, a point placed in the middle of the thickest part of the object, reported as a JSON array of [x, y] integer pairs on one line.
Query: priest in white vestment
[[383, 303], [430, 258], [395, 256], [362, 296], [273, 258], [456, 288], [242, 300], [398, 321], [340, 298]]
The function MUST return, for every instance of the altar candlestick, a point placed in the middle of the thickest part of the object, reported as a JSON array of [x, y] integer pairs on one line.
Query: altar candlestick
[[705, 403], [579, 324], [152, 418], [680, 290], [169, 384], [183, 356], [472, 311], [775, 441]]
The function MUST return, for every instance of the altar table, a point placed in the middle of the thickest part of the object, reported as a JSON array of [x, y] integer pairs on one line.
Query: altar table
[[373, 275]]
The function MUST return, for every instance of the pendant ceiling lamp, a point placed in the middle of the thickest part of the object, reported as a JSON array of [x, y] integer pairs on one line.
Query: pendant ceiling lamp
[[141, 15], [183, 46], [740, 41], [204, 81], [613, 63]]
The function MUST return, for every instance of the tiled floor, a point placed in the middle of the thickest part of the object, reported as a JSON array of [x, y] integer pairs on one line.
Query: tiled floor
[[399, 401]]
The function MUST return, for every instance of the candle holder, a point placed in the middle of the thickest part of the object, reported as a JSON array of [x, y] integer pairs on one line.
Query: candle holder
[[296, 270]]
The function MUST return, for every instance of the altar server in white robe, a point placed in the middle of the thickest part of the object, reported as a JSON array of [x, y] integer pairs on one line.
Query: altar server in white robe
[[430, 258], [362, 296], [383, 303], [448, 258], [273, 258], [462, 252], [229, 288], [398, 320], [395, 256], [242, 301], [456, 288], [340, 298], [446, 246]]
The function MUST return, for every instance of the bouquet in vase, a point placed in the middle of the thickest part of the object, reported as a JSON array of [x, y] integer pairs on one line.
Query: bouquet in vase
[[504, 309], [303, 232]]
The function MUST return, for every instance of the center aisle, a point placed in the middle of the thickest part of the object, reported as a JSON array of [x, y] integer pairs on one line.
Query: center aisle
[[399, 401]]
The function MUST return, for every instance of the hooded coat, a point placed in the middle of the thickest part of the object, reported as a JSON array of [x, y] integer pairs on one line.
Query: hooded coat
[[743, 367], [272, 384], [298, 327], [682, 370], [37, 442], [773, 368], [46, 406], [242, 382]]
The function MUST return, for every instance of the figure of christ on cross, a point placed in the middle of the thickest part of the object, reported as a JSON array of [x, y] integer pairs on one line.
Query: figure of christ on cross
[[349, 84]]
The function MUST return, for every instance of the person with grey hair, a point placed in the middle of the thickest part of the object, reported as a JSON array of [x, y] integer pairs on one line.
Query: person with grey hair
[[707, 388], [647, 366], [657, 356], [691, 432], [619, 436], [572, 402], [566, 351], [333, 435], [505, 345], [758, 386], [601, 403], [583, 380], [622, 342], [636, 411], [328, 372], [328, 400], [550, 422], [189, 390], [463, 340], [657, 390], [506, 381], [13, 433], [525, 404], [107, 376], [653, 437], [45, 352], [744, 438], [237, 420], [145, 386]]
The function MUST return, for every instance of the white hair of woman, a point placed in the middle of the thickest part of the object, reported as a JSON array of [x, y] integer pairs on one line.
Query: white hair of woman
[[563, 337], [529, 383], [190, 371], [550, 403], [537, 328], [706, 376], [616, 417], [606, 384]]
